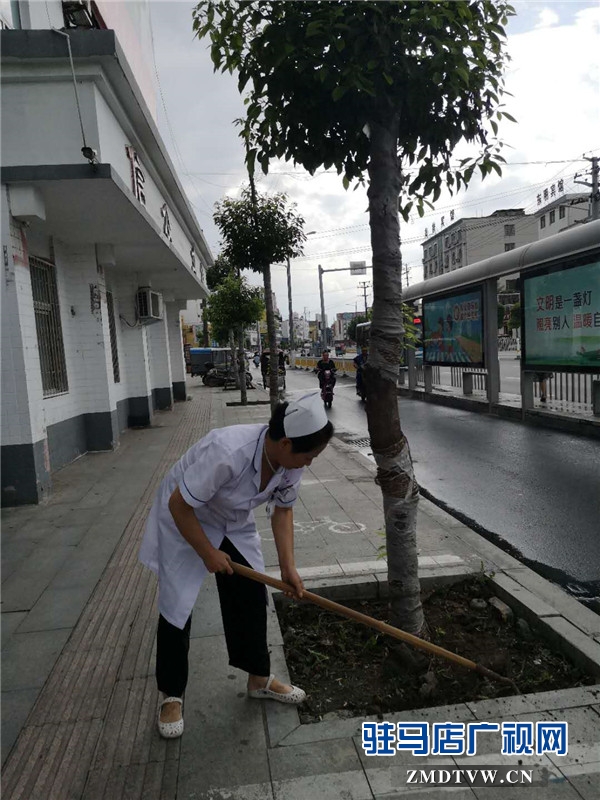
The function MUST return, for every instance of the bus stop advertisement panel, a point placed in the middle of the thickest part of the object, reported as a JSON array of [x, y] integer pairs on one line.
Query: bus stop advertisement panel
[[560, 309], [453, 329]]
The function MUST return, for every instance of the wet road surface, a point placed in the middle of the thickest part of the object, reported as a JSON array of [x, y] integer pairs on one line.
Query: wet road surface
[[536, 489]]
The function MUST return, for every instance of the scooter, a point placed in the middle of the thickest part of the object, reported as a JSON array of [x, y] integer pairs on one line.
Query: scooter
[[327, 388]]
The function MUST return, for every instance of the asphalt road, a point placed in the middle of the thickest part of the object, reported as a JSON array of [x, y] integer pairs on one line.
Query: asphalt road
[[537, 490]]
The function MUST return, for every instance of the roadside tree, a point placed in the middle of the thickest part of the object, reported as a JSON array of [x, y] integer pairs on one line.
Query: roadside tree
[[232, 307], [384, 91], [259, 230]]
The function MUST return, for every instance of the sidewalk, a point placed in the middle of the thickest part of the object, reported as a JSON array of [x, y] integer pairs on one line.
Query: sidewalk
[[79, 618]]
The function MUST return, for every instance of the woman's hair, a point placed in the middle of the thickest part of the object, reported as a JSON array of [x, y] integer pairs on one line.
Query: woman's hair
[[300, 444]]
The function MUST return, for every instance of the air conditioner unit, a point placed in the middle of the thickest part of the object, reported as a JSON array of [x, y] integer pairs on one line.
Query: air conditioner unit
[[78, 14], [148, 304]]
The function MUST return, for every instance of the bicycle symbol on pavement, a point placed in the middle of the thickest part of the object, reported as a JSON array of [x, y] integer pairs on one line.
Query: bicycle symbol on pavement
[[302, 528]]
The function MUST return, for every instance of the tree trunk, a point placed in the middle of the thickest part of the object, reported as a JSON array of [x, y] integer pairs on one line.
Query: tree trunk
[[232, 348], [271, 335], [242, 367], [395, 474]]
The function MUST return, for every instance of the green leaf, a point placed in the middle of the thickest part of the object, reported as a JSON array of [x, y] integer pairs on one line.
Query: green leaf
[[509, 116], [339, 92], [345, 182]]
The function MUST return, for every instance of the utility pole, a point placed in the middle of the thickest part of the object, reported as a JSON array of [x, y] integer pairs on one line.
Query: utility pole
[[289, 284], [323, 327], [594, 186], [406, 273], [364, 286]]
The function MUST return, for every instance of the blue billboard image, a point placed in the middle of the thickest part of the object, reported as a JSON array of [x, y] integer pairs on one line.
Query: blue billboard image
[[453, 329]]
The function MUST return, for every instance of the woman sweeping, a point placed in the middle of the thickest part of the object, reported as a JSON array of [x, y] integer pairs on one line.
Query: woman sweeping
[[202, 520]]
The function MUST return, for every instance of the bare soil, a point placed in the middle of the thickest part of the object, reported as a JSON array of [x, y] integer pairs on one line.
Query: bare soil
[[351, 670]]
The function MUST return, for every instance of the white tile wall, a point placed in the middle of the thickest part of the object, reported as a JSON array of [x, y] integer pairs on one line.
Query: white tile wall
[[160, 358], [175, 342]]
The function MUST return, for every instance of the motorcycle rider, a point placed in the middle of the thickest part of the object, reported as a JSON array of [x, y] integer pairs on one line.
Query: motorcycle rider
[[323, 365], [359, 361]]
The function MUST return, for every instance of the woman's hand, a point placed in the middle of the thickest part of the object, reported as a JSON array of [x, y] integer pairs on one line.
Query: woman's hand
[[290, 576], [218, 561]]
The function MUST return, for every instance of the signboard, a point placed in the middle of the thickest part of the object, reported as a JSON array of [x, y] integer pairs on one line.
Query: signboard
[[453, 329], [358, 268], [560, 309]]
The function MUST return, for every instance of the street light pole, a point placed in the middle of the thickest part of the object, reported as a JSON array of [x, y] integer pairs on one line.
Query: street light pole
[[323, 328], [289, 287]]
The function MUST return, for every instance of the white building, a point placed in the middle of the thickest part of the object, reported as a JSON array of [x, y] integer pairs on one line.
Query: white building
[[473, 239], [561, 213], [85, 354]]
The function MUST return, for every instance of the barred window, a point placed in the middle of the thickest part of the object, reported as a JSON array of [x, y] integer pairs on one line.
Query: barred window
[[112, 328], [561, 212], [48, 327], [509, 230]]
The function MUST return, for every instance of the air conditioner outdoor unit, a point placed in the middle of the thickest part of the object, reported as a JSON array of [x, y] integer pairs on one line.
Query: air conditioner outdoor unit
[[148, 304]]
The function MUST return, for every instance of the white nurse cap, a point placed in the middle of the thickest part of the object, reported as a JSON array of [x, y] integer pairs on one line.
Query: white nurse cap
[[304, 416]]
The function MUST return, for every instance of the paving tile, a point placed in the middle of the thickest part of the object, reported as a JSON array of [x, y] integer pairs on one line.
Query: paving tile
[[364, 567], [331, 786], [584, 778], [524, 602], [576, 644], [223, 727], [29, 657], [57, 608], [10, 623], [314, 758], [582, 617], [584, 736], [16, 707]]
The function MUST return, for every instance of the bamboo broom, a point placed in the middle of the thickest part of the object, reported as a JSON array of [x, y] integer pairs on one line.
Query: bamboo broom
[[383, 627]]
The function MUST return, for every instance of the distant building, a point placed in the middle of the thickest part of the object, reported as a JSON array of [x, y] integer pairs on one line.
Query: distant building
[[562, 213], [340, 326], [473, 239]]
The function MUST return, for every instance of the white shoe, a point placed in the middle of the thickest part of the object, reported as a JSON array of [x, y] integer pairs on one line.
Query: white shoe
[[170, 730], [295, 696]]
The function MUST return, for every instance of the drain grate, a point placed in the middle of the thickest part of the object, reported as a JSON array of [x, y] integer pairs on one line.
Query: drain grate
[[364, 442]]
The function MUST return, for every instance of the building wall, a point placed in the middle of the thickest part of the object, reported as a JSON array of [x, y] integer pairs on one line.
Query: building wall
[[473, 239], [550, 221], [42, 126]]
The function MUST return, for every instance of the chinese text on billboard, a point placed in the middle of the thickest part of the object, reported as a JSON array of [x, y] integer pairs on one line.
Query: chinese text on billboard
[[562, 319]]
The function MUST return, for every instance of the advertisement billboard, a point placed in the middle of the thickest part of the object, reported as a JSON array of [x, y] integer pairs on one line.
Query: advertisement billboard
[[560, 309], [453, 329]]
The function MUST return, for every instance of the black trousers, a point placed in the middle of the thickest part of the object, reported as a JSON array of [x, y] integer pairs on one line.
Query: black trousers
[[244, 614]]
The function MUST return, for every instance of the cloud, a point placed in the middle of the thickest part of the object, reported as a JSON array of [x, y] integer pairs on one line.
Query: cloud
[[547, 17]]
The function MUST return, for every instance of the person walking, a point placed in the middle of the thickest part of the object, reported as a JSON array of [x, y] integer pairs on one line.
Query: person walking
[[202, 520]]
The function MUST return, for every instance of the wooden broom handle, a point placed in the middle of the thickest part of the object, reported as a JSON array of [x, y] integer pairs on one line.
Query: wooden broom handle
[[383, 627]]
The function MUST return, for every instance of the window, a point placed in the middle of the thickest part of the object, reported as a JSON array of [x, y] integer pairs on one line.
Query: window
[[447, 242], [48, 327], [509, 246], [435, 249], [447, 261], [453, 238], [543, 221], [112, 329], [454, 257], [552, 217], [509, 230], [561, 212], [459, 237], [459, 255]]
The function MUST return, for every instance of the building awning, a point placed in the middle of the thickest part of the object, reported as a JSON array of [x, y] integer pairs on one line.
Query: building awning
[[89, 204]]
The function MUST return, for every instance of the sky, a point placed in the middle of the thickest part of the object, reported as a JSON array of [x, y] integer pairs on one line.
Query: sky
[[554, 80]]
